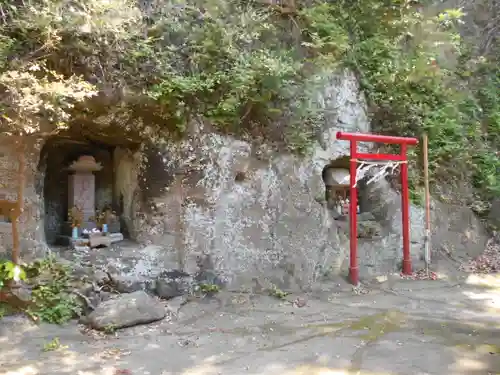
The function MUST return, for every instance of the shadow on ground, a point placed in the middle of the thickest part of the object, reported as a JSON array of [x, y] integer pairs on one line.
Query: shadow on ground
[[414, 328]]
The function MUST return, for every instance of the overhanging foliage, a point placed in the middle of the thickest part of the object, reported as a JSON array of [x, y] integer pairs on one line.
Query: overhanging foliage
[[251, 69]]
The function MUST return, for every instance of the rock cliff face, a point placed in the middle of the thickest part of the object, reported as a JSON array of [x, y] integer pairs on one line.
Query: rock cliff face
[[256, 214], [215, 205], [246, 211]]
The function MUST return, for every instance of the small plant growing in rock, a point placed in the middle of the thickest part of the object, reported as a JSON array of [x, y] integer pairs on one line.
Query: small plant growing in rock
[[53, 345], [277, 293], [110, 329], [52, 299], [209, 288]]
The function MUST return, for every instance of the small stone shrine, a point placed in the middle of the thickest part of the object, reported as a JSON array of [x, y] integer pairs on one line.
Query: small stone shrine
[[336, 189], [82, 198]]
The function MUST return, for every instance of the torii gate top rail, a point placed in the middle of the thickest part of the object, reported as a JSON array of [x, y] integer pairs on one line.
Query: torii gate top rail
[[354, 138], [387, 139]]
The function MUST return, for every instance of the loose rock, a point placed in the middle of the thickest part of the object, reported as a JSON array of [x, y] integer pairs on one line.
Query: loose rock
[[126, 310], [173, 283], [18, 297], [127, 284], [208, 277], [100, 277]]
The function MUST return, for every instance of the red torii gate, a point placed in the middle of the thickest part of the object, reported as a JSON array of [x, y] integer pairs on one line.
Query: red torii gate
[[354, 138]]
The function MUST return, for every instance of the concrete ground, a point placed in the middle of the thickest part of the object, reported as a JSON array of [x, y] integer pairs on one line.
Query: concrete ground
[[414, 328]]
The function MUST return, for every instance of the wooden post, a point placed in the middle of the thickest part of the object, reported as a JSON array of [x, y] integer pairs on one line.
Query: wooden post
[[180, 195], [425, 150], [16, 247]]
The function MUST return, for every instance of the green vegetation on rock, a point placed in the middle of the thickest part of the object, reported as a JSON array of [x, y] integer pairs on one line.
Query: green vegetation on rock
[[50, 283], [420, 76], [53, 300], [252, 69]]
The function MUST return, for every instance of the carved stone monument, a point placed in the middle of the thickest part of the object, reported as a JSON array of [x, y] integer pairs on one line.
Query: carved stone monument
[[82, 187], [82, 195]]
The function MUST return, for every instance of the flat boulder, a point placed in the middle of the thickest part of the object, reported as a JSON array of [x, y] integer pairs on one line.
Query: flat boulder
[[127, 310]]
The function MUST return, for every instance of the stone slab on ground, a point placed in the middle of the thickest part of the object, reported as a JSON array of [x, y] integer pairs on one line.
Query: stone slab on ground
[[125, 258], [434, 329], [99, 240], [127, 310]]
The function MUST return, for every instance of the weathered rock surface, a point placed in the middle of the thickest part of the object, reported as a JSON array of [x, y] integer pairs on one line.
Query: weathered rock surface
[[258, 213], [100, 277], [456, 232], [127, 284], [209, 277], [174, 283], [18, 296], [494, 214], [206, 272], [253, 210], [94, 296], [126, 310], [369, 229]]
